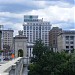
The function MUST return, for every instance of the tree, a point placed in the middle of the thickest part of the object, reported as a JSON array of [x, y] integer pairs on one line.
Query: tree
[[47, 62]]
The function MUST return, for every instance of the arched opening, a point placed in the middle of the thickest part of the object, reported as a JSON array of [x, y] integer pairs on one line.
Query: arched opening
[[20, 53]]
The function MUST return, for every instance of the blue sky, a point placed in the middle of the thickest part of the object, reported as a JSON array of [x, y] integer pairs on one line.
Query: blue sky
[[59, 12]]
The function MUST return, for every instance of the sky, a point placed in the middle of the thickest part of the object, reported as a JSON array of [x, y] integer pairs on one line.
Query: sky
[[58, 12]]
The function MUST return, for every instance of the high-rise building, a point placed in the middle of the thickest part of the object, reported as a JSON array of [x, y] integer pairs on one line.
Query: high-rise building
[[53, 37], [66, 41], [7, 38], [35, 28]]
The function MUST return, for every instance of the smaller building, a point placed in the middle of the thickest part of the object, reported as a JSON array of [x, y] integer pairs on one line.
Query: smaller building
[[0, 38], [7, 36], [53, 34], [20, 45], [66, 41]]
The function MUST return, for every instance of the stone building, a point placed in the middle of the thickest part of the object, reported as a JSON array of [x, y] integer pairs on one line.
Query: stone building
[[20, 45], [7, 39], [53, 33], [0, 38], [66, 41]]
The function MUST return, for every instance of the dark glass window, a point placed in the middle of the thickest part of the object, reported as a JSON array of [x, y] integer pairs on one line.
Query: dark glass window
[[36, 28], [46, 27], [31, 17], [71, 37], [42, 28], [71, 47], [33, 28], [27, 27], [30, 27], [67, 42], [67, 37], [71, 42], [67, 46]]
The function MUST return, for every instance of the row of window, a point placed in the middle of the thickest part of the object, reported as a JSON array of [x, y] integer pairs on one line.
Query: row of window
[[69, 37], [67, 47], [38, 23], [71, 42], [37, 28], [67, 51]]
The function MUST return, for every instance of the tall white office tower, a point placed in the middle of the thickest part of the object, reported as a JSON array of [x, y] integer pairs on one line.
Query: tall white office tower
[[35, 28]]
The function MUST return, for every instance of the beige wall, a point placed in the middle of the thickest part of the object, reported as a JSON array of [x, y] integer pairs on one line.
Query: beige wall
[[61, 41], [20, 44]]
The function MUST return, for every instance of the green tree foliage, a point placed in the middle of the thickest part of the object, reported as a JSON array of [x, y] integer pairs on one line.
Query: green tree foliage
[[47, 62]]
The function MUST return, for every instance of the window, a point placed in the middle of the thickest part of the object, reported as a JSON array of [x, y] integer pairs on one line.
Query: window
[[67, 42], [36, 28], [71, 47], [67, 37], [36, 33], [46, 28], [33, 23], [42, 28], [30, 27], [31, 17], [36, 23], [71, 42], [67, 47], [71, 37], [24, 27], [27, 27], [33, 28]]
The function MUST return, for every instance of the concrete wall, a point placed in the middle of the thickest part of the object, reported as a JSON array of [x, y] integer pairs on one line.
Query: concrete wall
[[20, 44]]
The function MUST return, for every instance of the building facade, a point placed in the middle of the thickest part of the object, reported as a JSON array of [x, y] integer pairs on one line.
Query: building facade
[[7, 38], [35, 28], [0, 39], [66, 41], [53, 33]]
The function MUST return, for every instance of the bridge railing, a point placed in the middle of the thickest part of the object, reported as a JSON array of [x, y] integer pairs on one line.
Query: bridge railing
[[26, 61], [7, 67]]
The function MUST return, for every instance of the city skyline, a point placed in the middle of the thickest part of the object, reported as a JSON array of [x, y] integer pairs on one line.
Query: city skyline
[[59, 13]]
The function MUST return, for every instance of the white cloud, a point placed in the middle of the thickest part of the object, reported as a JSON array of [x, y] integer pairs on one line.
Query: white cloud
[[56, 13], [15, 26], [51, 13], [11, 15], [13, 1], [73, 29]]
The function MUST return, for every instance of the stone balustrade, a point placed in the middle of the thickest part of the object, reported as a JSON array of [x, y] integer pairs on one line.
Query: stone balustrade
[[14, 66]]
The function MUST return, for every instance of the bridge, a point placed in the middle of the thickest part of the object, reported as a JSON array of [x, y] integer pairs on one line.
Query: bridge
[[17, 66]]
